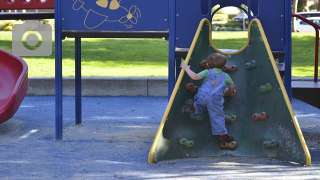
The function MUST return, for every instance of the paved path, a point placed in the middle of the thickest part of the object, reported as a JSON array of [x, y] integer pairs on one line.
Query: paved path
[[114, 140]]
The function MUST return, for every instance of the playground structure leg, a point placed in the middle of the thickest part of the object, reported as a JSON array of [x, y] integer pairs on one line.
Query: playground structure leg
[[58, 70], [78, 79]]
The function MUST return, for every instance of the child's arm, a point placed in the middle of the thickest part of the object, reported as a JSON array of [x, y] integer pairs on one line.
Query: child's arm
[[231, 88], [192, 74]]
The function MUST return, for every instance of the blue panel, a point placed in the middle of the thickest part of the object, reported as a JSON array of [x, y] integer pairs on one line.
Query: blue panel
[[189, 15], [129, 15], [271, 15]]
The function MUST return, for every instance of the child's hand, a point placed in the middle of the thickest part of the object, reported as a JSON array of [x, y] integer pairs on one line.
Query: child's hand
[[184, 66]]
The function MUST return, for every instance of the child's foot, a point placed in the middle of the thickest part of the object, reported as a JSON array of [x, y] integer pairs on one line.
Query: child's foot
[[187, 107], [226, 141], [225, 138], [197, 117]]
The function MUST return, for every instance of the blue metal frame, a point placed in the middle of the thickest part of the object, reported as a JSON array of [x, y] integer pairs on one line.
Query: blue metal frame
[[78, 80], [58, 69], [288, 48], [172, 46]]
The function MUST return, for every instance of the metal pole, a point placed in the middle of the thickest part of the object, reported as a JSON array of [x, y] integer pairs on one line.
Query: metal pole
[[288, 47], [178, 69], [78, 80], [172, 46], [316, 56], [243, 25], [58, 69]]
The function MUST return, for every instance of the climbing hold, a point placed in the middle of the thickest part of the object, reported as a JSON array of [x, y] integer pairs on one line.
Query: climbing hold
[[232, 145], [265, 88], [230, 69], [231, 118], [185, 142], [192, 88], [231, 94], [204, 64], [270, 144], [251, 65], [259, 116]]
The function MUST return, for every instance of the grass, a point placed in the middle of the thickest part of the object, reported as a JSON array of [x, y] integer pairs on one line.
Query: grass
[[148, 57]]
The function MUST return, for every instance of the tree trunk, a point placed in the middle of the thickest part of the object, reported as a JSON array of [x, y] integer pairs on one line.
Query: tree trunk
[[294, 10]]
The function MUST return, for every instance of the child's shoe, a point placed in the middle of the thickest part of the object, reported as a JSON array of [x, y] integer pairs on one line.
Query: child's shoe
[[187, 107], [198, 117], [225, 138], [227, 142]]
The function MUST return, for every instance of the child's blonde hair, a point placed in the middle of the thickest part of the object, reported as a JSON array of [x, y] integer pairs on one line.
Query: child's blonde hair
[[216, 60]]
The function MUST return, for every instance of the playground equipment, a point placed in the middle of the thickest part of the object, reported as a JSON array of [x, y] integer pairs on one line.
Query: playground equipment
[[178, 22], [272, 133], [13, 84]]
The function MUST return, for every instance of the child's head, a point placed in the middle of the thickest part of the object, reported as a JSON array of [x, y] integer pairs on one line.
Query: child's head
[[216, 60]]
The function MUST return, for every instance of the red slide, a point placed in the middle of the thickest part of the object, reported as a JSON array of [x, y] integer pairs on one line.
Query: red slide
[[13, 84]]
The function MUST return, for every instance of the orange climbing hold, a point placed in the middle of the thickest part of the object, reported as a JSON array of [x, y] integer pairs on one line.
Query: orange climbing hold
[[229, 69], [259, 116], [192, 87]]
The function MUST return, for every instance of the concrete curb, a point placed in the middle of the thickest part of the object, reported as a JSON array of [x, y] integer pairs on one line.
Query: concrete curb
[[101, 86], [108, 86]]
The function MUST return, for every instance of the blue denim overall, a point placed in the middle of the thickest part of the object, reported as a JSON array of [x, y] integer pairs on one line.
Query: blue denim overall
[[211, 96]]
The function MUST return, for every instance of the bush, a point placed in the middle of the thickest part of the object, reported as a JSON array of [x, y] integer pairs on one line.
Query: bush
[[229, 28], [48, 21], [222, 29], [6, 25], [313, 6], [220, 17]]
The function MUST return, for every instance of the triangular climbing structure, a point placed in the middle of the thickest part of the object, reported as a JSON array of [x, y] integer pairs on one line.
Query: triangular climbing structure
[[260, 91]]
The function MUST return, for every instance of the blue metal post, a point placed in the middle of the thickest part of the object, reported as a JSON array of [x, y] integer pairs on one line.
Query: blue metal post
[[288, 47], [78, 80], [172, 46], [58, 69], [178, 69]]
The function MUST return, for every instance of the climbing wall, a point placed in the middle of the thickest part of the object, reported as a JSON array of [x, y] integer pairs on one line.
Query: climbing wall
[[260, 116]]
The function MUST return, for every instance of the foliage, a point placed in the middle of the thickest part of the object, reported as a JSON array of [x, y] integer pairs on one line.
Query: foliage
[[220, 17], [313, 6], [301, 5], [6, 25]]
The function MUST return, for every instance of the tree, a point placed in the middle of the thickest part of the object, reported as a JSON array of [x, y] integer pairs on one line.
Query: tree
[[294, 10]]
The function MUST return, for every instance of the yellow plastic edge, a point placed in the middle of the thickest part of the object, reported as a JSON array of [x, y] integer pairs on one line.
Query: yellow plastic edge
[[175, 90]]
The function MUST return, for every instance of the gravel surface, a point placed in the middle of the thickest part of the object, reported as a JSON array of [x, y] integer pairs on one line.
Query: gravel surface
[[114, 139]]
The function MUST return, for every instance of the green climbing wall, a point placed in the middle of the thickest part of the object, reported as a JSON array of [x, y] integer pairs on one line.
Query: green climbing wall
[[253, 137]]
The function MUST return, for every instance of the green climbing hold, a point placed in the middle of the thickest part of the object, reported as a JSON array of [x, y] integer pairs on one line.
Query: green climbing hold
[[232, 118], [265, 88], [185, 142]]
